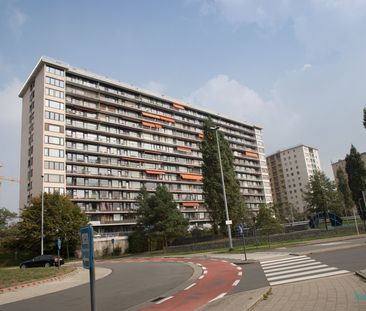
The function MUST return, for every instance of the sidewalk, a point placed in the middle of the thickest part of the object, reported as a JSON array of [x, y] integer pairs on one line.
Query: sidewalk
[[74, 279], [339, 293]]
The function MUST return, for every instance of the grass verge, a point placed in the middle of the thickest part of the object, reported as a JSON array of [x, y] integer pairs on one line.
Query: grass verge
[[15, 276]]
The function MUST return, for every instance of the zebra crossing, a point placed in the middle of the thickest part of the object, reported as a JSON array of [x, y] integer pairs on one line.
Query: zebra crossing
[[295, 269]]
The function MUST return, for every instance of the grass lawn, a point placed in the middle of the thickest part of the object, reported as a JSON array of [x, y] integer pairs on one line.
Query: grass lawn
[[16, 276]]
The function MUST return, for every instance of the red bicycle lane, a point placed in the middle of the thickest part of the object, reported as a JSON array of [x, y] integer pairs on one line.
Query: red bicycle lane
[[218, 277]]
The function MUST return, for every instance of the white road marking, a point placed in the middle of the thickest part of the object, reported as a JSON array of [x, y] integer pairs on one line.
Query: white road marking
[[313, 263], [240, 273], [309, 277], [288, 264], [165, 299], [236, 283], [201, 277], [298, 269], [188, 287], [239, 268], [285, 261], [218, 297], [233, 264], [286, 276], [277, 260]]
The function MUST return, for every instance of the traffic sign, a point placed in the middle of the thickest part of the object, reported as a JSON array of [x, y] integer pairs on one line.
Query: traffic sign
[[86, 235], [228, 222], [59, 243]]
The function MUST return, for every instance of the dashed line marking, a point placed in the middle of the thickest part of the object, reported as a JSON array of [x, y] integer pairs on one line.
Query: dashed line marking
[[240, 273], [190, 286], [223, 260], [236, 283], [201, 277], [239, 268], [233, 264], [204, 271], [218, 297], [165, 299]]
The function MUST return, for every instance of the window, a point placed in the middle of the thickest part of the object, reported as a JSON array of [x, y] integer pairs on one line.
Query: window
[[54, 128], [54, 116], [55, 71], [57, 153], [55, 104], [54, 140], [52, 165], [55, 82], [54, 93], [54, 178]]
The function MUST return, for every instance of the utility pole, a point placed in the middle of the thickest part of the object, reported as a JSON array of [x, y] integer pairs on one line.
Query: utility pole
[[42, 212]]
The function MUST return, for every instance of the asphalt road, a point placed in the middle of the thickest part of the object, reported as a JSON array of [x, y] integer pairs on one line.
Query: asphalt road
[[114, 292]]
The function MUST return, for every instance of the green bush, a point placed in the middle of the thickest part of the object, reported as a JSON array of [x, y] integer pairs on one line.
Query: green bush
[[138, 242]]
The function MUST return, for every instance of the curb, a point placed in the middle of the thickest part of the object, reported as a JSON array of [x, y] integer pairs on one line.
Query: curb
[[326, 250], [361, 274], [38, 282]]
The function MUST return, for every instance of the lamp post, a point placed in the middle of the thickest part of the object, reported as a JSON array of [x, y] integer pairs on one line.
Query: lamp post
[[216, 128], [42, 212]]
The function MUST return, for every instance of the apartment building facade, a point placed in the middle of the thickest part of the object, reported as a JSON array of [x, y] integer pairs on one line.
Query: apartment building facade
[[290, 171], [341, 164], [99, 141]]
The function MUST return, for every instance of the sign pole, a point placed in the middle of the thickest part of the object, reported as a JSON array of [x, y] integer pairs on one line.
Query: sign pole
[[242, 231]]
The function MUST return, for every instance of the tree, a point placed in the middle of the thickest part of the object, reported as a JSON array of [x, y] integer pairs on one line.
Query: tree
[[62, 219], [364, 117], [321, 196], [344, 191], [356, 172], [267, 223], [212, 183], [6, 217], [159, 217]]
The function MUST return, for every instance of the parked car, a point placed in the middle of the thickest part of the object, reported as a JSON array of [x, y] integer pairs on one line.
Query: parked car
[[42, 261]]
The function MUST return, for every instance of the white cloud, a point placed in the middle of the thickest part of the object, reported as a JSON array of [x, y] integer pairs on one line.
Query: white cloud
[[10, 104], [15, 21], [156, 87], [306, 67], [233, 99]]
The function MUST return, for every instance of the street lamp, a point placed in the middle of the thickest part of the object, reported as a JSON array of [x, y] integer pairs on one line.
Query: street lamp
[[228, 221], [42, 212]]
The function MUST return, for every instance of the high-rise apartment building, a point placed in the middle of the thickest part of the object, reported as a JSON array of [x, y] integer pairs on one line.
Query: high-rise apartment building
[[289, 172], [99, 141]]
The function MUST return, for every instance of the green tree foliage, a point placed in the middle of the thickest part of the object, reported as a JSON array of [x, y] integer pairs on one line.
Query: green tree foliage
[[212, 183], [6, 217], [356, 172], [344, 192], [266, 221], [62, 219], [321, 195], [159, 217], [364, 117]]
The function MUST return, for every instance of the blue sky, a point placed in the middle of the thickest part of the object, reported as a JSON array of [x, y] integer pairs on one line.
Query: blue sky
[[296, 68]]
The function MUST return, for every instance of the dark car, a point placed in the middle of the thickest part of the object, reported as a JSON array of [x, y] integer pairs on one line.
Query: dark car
[[42, 261]]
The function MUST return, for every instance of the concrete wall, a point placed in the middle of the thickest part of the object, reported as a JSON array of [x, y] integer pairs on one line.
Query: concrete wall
[[103, 246]]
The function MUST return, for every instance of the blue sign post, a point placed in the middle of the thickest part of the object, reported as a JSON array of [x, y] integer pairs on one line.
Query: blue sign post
[[87, 251], [242, 231], [58, 252]]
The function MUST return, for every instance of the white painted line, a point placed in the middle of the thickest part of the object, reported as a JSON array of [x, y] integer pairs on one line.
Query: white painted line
[[218, 297], [165, 299], [236, 283], [239, 268], [289, 264], [240, 273], [233, 264], [314, 263], [204, 271], [201, 277], [204, 268], [304, 278], [188, 287], [223, 260], [276, 260], [198, 264], [297, 270], [285, 262], [287, 276]]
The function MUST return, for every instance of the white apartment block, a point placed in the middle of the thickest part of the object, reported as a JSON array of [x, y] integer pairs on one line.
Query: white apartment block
[[99, 141], [290, 171]]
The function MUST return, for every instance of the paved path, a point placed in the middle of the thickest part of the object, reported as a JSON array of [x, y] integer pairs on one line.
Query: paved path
[[338, 293]]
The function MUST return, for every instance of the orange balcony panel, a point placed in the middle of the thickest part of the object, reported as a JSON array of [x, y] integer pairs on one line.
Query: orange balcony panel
[[149, 124], [190, 204], [132, 159], [191, 177], [151, 115], [178, 106], [250, 154], [167, 119], [184, 149], [200, 135], [155, 172]]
